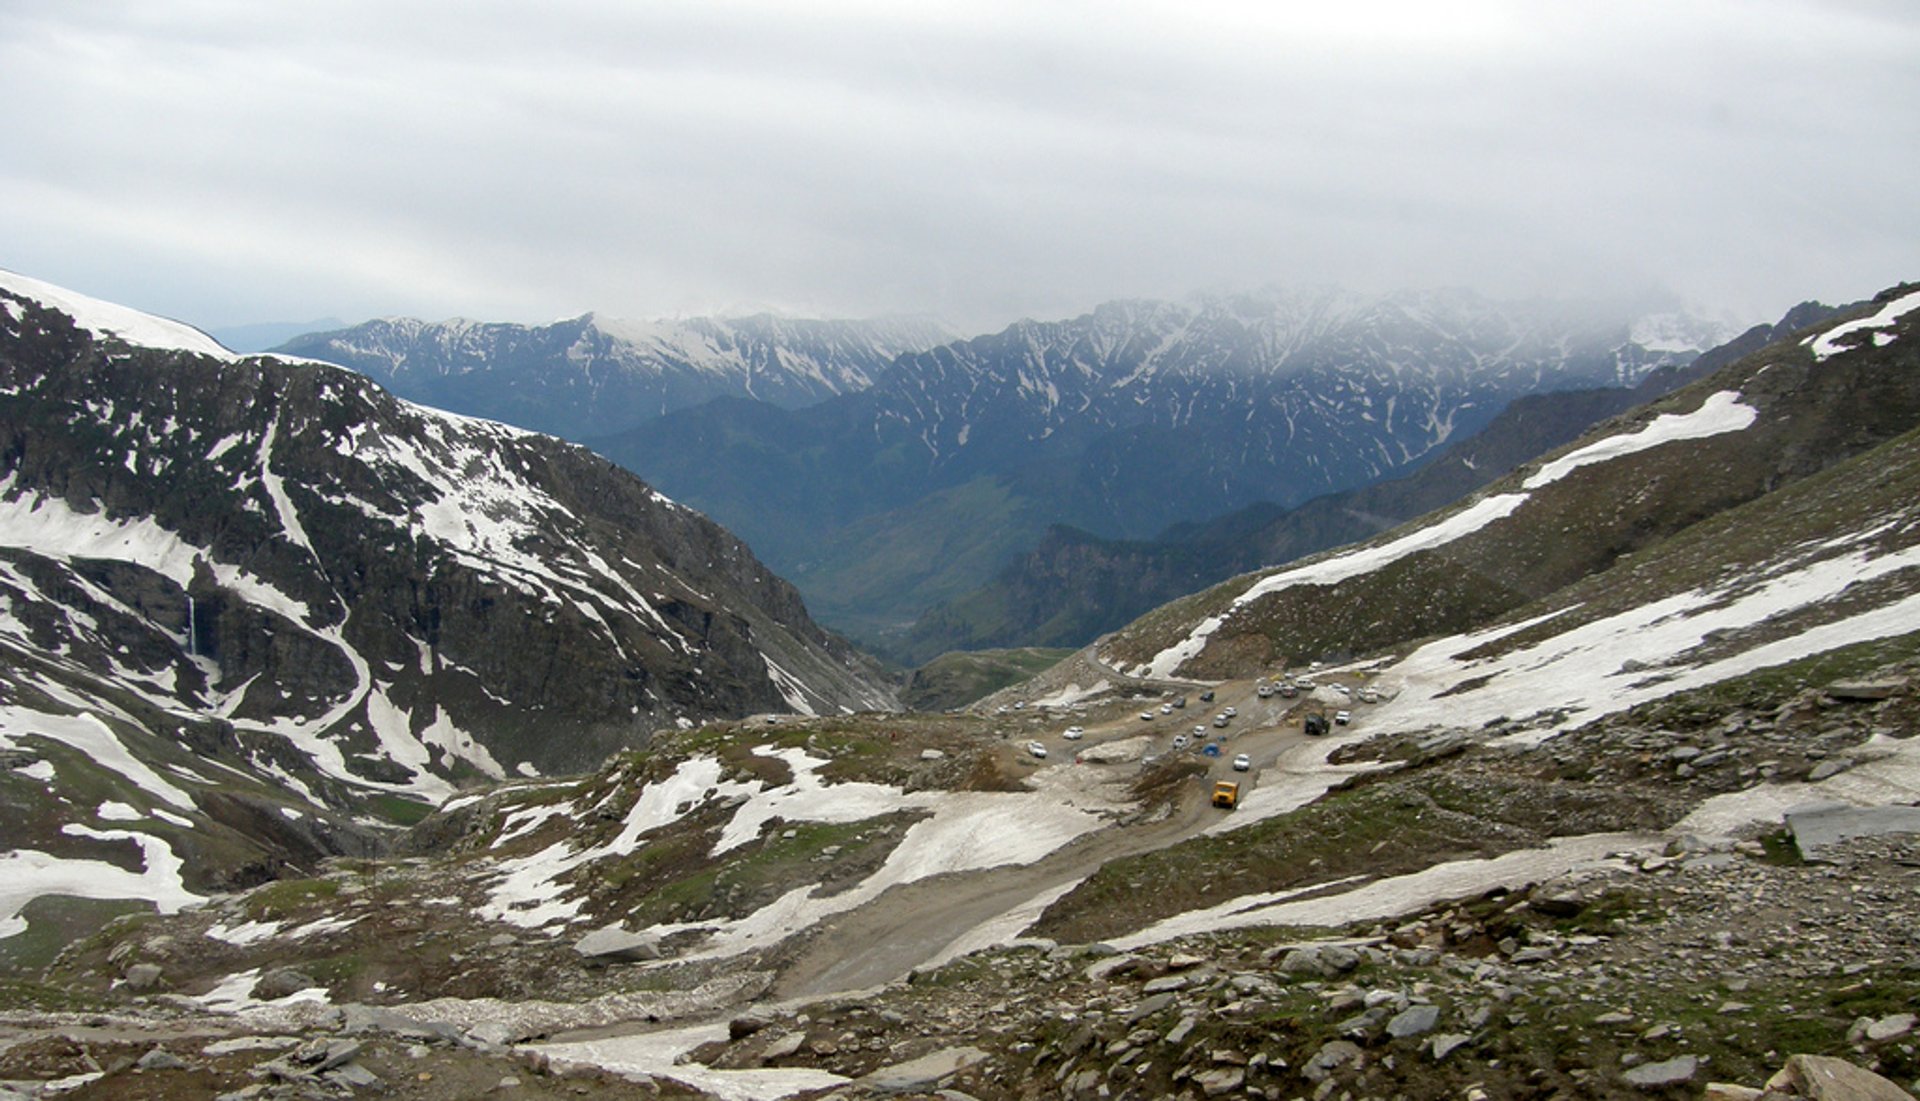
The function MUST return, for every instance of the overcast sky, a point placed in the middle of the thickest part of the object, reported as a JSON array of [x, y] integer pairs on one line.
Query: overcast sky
[[235, 162]]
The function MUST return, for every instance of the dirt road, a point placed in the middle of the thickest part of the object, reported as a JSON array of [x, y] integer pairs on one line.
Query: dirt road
[[912, 924]]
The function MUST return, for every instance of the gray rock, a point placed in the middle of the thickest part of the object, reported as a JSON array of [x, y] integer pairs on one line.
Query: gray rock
[[616, 945], [1220, 1080], [281, 982], [1890, 1028], [353, 1075], [1327, 961], [1446, 1043], [1833, 766], [1178, 1033], [1111, 966], [357, 1020], [1668, 1072], [1331, 1057], [1820, 825], [1414, 1021], [1150, 1006], [143, 976], [748, 1023], [1166, 984], [161, 1059], [783, 1046], [924, 1073], [1824, 1078]]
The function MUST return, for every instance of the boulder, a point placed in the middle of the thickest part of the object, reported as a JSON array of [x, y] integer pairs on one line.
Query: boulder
[[160, 1059], [925, 1073], [1669, 1072], [1824, 1078], [282, 982], [1220, 1081], [613, 944], [1414, 1021], [143, 976]]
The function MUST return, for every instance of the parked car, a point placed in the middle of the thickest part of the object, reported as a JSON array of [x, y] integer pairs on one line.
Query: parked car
[[1242, 763], [1230, 713], [1166, 709], [1146, 716], [1037, 749], [1207, 696], [1341, 718], [1220, 720], [1179, 702], [1074, 733], [1264, 691], [1180, 741]]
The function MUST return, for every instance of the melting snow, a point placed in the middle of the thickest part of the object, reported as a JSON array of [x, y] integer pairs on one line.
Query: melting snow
[[1721, 412], [94, 738], [965, 831], [658, 1053], [26, 874], [1829, 342], [235, 993]]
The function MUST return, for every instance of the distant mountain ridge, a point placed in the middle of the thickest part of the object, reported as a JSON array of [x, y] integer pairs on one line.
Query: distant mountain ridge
[[1121, 422], [1073, 585], [589, 375]]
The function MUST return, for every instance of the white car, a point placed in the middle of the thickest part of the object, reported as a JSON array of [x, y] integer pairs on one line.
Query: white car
[[1342, 718], [1229, 712], [1037, 750], [1074, 733], [1242, 763], [1166, 709], [1179, 741], [1146, 716], [1199, 732]]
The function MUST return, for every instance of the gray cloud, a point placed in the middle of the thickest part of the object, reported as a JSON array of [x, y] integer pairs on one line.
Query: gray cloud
[[228, 161]]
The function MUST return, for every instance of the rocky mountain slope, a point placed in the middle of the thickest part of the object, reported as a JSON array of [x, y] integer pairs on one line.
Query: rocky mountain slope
[[251, 607], [1136, 416], [1654, 829], [1073, 585], [1741, 435], [592, 376]]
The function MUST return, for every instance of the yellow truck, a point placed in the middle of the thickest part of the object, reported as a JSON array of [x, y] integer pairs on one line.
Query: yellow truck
[[1226, 794]]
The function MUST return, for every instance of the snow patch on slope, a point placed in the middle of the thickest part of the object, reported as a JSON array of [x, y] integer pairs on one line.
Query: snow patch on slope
[[1720, 413], [1830, 342]]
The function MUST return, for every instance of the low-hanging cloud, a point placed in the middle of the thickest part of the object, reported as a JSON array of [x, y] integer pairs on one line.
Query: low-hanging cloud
[[228, 162]]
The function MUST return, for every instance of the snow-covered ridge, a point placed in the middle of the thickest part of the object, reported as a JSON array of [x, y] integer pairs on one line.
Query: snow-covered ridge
[[105, 319], [1827, 343]]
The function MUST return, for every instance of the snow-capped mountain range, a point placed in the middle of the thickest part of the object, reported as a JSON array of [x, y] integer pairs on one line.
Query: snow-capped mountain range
[[590, 375], [339, 595], [1121, 422]]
